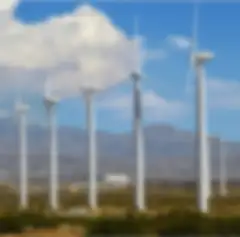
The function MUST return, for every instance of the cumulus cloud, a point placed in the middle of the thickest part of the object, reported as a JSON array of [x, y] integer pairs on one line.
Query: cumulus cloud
[[8, 5], [63, 84], [179, 42], [74, 51], [15, 79], [96, 52], [156, 108], [224, 94]]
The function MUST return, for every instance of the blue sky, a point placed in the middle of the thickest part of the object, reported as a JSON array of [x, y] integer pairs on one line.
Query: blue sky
[[166, 76]]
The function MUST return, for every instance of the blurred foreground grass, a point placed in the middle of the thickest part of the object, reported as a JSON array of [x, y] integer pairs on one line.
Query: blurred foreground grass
[[159, 199], [171, 211]]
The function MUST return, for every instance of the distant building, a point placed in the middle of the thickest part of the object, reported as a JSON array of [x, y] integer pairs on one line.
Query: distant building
[[117, 180]]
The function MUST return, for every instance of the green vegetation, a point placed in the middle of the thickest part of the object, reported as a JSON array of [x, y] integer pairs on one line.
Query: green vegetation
[[172, 211], [158, 199], [174, 223]]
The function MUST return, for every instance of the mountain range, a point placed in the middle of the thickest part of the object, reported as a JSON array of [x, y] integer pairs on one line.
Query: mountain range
[[169, 153]]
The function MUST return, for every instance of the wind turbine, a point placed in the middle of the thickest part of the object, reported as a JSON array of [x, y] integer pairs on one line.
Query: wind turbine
[[21, 110], [222, 169], [198, 60], [50, 103], [138, 130], [92, 155]]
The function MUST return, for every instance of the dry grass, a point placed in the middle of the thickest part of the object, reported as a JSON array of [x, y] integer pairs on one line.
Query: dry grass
[[160, 199], [63, 231]]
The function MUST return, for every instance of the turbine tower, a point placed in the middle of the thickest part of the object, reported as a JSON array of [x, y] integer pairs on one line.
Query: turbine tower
[[196, 62], [200, 58], [21, 110], [50, 104], [138, 130], [92, 155], [222, 169]]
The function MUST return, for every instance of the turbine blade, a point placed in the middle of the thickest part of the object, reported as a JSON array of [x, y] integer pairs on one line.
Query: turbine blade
[[189, 81], [47, 88], [19, 98], [195, 26], [193, 48], [138, 51]]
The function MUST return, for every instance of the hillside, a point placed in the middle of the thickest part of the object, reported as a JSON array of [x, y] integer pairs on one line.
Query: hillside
[[169, 153]]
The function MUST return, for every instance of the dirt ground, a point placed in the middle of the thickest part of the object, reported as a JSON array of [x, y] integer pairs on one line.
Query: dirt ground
[[61, 232]]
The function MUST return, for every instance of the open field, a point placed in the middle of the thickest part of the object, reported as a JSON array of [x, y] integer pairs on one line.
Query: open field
[[45, 233], [160, 199], [172, 210]]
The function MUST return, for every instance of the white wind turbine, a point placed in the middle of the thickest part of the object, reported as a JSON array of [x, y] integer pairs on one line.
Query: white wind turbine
[[198, 59], [50, 103], [92, 149], [204, 188], [21, 110], [138, 129], [89, 91]]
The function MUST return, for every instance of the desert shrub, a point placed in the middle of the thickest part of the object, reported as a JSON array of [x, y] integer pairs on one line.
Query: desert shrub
[[194, 223], [116, 226], [37, 220], [183, 222], [10, 224], [226, 225], [175, 223]]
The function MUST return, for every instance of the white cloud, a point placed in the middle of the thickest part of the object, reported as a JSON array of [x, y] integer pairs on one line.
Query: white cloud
[[64, 84], [98, 52], [179, 42], [8, 5], [156, 108], [224, 94], [79, 49], [13, 79]]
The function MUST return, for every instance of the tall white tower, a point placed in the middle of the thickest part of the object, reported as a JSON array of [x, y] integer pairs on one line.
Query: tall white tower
[[50, 104], [202, 138], [137, 123], [21, 110], [92, 155], [139, 144]]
